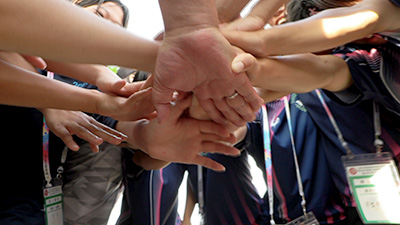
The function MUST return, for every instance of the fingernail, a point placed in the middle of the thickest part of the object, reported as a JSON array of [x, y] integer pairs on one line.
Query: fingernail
[[237, 66]]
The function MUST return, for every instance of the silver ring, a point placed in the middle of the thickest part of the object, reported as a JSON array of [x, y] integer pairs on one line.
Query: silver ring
[[233, 96]]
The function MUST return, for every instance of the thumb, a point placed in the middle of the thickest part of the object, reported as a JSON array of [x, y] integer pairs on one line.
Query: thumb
[[161, 99], [36, 61], [243, 62]]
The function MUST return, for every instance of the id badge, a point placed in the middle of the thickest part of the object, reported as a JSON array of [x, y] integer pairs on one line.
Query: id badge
[[308, 219], [53, 205], [375, 184]]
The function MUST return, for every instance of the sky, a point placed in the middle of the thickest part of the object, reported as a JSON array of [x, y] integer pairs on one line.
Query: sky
[[145, 17]]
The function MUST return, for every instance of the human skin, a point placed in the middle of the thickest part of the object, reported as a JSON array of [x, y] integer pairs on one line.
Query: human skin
[[179, 138], [325, 30], [62, 123], [26, 82], [95, 40], [65, 123], [98, 75], [262, 11], [298, 73], [194, 56]]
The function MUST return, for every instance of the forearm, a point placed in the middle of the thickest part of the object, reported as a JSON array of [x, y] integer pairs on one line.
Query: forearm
[[90, 73], [63, 32], [188, 14], [265, 9], [301, 73], [21, 87], [228, 10], [330, 28]]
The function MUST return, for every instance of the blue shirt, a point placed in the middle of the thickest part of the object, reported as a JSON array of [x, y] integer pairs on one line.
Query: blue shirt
[[372, 69], [231, 198]]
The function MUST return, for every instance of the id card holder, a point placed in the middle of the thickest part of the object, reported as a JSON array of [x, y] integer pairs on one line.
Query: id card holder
[[375, 184], [53, 204], [307, 219]]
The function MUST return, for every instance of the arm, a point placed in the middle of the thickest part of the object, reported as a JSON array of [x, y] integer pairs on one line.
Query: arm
[[24, 87], [98, 75], [191, 30], [296, 73], [327, 29], [95, 40], [259, 15]]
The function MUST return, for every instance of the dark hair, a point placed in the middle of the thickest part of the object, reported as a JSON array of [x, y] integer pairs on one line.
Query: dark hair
[[301, 9], [87, 3]]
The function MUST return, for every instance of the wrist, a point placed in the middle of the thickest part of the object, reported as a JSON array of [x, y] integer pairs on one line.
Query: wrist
[[188, 15], [138, 135]]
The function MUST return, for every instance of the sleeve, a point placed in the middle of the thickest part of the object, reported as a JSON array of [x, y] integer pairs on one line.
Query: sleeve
[[102, 119], [371, 81], [252, 142], [396, 2]]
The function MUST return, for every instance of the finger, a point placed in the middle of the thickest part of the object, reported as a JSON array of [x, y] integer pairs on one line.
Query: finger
[[108, 131], [251, 96], [148, 83], [105, 135], [35, 61], [212, 111], [131, 88], [116, 88], [213, 128], [179, 108], [206, 137], [161, 99], [209, 163], [151, 116], [242, 107], [88, 136], [216, 147], [67, 138], [243, 62], [95, 148], [229, 113]]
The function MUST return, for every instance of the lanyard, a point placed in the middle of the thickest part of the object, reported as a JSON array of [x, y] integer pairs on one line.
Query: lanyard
[[200, 189], [296, 163], [378, 143], [268, 159], [268, 162], [45, 147], [339, 134]]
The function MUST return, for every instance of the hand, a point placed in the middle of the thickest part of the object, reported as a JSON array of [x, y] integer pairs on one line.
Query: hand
[[35, 61], [64, 124], [137, 106], [182, 139], [197, 112], [199, 61]]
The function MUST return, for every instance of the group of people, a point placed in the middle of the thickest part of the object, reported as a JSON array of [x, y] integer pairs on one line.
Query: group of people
[[314, 99]]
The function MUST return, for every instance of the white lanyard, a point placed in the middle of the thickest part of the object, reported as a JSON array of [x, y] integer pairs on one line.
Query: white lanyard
[[268, 159]]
